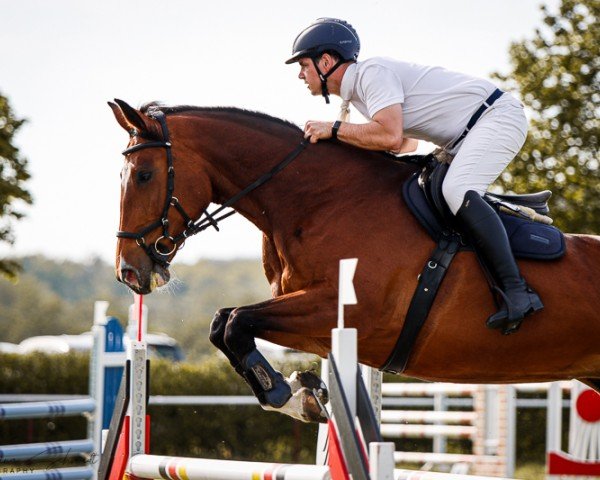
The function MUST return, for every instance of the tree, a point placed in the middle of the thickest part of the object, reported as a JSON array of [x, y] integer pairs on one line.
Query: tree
[[13, 175], [557, 75]]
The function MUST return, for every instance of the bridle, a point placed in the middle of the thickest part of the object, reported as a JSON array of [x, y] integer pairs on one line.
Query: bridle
[[206, 220]]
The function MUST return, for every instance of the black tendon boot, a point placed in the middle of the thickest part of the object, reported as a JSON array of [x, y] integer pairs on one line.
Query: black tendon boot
[[276, 392], [487, 231]]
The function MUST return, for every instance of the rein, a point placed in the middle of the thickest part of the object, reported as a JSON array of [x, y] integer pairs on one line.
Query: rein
[[207, 219]]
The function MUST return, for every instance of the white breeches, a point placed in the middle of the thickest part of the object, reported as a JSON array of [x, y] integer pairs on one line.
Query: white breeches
[[487, 149]]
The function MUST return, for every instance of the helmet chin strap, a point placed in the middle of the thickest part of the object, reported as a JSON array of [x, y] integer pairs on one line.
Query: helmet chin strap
[[324, 76]]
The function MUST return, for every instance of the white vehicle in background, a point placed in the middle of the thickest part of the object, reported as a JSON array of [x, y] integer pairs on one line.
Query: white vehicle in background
[[6, 347], [160, 345]]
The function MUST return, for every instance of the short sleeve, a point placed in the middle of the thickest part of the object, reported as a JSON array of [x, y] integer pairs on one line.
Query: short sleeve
[[380, 87]]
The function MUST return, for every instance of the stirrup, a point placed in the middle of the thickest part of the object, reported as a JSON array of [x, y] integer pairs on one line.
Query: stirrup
[[512, 322]]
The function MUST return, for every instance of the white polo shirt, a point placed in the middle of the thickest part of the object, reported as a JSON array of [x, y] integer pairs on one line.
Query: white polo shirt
[[436, 103]]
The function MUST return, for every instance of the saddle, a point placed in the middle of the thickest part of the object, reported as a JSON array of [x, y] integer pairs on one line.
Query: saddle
[[523, 216]]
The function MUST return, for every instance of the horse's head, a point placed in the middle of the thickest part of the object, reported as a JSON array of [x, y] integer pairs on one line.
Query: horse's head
[[153, 221]]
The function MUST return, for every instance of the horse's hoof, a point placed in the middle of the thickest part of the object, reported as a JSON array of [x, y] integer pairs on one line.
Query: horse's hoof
[[303, 406], [312, 409], [308, 379], [309, 394]]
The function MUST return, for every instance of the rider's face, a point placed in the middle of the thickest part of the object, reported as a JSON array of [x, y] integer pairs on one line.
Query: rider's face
[[309, 74]]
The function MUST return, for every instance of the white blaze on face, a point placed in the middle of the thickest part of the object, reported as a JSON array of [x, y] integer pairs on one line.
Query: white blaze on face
[[125, 174]]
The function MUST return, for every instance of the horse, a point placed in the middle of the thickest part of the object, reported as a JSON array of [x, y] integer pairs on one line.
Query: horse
[[316, 204]]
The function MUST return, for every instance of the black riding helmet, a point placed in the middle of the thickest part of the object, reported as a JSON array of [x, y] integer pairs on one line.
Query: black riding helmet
[[323, 35]]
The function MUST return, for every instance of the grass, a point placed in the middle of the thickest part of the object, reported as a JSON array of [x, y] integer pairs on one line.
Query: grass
[[531, 471]]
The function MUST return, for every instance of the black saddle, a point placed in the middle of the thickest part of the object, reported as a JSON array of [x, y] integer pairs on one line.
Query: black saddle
[[529, 239]]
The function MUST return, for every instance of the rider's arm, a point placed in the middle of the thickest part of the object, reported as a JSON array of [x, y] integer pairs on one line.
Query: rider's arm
[[383, 132]]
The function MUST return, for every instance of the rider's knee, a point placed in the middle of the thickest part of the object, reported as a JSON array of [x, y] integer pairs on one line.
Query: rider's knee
[[454, 195]]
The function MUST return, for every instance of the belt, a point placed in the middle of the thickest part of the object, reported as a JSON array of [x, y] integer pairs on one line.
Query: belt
[[496, 94]]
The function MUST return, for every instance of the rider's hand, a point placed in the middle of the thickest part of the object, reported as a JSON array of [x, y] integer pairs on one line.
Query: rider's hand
[[315, 130]]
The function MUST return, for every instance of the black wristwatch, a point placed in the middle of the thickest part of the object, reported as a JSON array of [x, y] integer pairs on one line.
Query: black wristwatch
[[335, 128]]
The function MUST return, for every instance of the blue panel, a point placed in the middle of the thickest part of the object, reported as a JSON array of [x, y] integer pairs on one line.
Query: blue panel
[[112, 375]]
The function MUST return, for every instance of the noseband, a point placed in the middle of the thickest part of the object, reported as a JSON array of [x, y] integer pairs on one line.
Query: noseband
[[192, 227]]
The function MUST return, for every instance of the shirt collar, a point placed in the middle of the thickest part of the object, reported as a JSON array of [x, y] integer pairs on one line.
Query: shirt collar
[[347, 86]]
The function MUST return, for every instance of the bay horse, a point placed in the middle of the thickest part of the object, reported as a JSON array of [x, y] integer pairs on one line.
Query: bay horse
[[316, 204]]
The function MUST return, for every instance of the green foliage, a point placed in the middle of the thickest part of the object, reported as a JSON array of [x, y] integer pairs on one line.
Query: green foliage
[[55, 297], [48, 374], [557, 75], [227, 432], [13, 175]]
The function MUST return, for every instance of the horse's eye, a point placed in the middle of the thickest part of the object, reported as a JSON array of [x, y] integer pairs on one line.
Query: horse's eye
[[144, 176]]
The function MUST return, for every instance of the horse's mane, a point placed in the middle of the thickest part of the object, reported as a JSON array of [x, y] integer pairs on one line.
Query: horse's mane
[[152, 107]]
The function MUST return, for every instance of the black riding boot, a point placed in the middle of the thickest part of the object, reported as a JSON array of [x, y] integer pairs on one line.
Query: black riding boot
[[487, 232]]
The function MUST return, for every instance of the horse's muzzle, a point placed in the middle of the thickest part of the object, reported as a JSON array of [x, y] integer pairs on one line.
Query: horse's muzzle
[[142, 281]]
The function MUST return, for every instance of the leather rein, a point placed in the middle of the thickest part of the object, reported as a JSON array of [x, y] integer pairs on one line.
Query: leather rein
[[207, 219]]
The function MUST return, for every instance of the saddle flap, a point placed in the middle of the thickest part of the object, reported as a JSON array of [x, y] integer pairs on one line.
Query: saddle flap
[[418, 204], [533, 240]]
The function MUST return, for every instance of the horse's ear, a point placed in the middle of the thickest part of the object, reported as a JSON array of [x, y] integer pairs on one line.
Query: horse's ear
[[128, 117]]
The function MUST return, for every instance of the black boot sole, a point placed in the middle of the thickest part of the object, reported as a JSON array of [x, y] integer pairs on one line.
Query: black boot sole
[[535, 305]]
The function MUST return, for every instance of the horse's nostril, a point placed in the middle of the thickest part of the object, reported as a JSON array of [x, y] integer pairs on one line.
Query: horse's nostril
[[129, 277]]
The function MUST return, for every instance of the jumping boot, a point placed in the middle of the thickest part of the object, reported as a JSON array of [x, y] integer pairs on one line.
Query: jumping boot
[[275, 390], [489, 235]]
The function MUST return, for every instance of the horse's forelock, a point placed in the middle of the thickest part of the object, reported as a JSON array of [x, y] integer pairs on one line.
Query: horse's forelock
[[149, 109]]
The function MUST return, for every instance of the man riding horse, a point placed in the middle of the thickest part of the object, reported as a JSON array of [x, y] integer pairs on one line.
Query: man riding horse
[[482, 127]]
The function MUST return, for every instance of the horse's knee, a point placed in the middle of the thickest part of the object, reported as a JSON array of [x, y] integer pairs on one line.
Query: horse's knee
[[217, 327], [237, 336]]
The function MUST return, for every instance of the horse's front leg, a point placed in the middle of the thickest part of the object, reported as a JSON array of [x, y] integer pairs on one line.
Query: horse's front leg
[[289, 315], [216, 336]]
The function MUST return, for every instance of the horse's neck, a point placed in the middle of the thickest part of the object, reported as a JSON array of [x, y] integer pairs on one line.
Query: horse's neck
[[239, 162], [321, 174]]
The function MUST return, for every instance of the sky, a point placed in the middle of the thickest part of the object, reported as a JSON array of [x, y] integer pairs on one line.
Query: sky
[[61, 61]]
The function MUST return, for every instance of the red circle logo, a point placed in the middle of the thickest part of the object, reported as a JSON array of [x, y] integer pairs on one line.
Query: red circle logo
[[588, 406]]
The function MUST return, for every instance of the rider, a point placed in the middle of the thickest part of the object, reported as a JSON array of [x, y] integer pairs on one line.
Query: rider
[[481, 126]]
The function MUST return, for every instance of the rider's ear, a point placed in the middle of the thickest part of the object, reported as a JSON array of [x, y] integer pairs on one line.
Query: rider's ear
[[128, 117]]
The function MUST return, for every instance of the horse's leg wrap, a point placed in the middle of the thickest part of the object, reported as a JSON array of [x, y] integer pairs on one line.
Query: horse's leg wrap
[[217, 338], [275, 390]]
